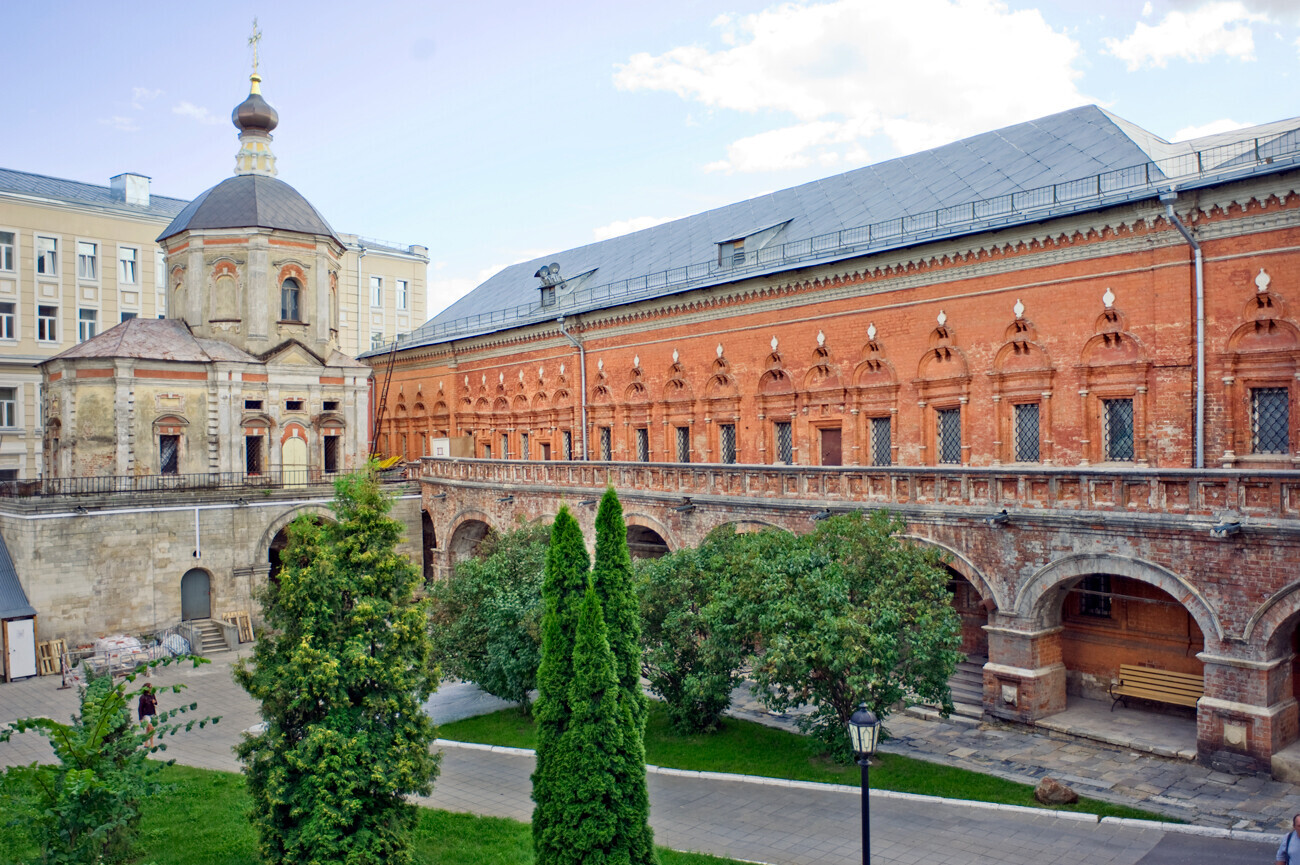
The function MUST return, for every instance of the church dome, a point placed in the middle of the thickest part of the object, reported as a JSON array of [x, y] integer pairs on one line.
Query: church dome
[[254, 113], [250, 201]]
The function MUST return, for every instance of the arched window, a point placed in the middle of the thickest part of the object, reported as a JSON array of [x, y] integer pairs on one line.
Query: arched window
[[290, 294]]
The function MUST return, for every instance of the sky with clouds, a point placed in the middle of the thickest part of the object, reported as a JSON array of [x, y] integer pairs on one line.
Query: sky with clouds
[[494, 132]]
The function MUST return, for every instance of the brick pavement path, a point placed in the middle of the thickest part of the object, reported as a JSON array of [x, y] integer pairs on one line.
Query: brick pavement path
[[790, 826]]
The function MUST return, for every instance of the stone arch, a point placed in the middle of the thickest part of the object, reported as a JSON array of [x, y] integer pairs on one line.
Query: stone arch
[[1038, 599], [1271, 622], [274, 527], [468, 530], [965, 568], [644, 530]]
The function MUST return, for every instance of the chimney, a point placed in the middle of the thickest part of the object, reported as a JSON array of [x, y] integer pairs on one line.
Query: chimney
[[131, 188]]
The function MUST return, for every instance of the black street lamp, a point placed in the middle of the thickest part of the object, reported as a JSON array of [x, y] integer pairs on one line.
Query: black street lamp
[[864, 733]]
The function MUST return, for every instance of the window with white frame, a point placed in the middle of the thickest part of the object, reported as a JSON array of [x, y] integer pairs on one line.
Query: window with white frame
[[87, 260], [47, 256], [376, 291], [47, 323], [8, 406], [401, 294], [8, 321], [87, 324], [159, 270], [127, 270], [6, 250], [290, 296]]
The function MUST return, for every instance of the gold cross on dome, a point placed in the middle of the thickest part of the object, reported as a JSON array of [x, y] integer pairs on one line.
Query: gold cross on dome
[[253, 40]]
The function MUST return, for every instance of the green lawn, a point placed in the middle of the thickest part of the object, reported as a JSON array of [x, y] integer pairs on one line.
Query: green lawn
[[202, 822], [753, 749]]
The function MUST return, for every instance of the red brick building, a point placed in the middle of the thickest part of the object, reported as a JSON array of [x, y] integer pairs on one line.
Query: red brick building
[[997, 339]]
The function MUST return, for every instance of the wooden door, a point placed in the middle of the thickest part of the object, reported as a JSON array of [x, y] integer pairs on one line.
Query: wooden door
[[831, 447]]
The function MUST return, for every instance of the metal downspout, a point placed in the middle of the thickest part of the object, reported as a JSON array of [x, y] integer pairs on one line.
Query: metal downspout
[[582, 364], [1168, 199]]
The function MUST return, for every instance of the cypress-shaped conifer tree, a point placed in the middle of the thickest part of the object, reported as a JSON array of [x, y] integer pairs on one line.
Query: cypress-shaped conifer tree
[[563, 588], [613, 581]]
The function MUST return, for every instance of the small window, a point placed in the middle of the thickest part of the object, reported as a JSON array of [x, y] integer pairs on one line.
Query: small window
[[1270, 420], [330, 405], [1094, 596], [606, 444], [331, 454], [87, 260], [683, 444], [8, 406], [505, 446], [487, 452], [1117, 429], [169, 448], [47, 323], [7, 475], [784, 442], [47, 256], [376, 291], [127, 273], [376, 341], [290, 295], [948, 433], [87, 324], [567, 437], [8, 321], [401, 294], [6, 250], [731, 253], [252, 405], [1026, 424], [882, 454], [127, 316], [642, 444], [253, 464], [293, 405], [727, 442], [524, 452]]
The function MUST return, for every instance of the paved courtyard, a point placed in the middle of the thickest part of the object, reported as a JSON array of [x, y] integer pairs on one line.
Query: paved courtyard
[[762, 822]]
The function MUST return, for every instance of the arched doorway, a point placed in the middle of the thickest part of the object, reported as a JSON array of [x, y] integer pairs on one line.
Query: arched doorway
[[294, 460], [429, 545], [275, 550], [466, 539], [196, 595], [974, 615], [645, 543]]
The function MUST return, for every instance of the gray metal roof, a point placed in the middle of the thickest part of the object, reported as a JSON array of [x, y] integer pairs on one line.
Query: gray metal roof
[[1076, 160], [154, 339], [13, 600], [38, 185], [251, 201]]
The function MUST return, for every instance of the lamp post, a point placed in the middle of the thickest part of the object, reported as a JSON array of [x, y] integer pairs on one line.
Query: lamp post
[[864, 733]]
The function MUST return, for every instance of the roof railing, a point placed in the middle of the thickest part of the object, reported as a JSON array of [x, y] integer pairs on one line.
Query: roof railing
[[1109, 187]]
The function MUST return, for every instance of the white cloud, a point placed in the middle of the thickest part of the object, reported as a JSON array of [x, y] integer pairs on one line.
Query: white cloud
[[141, 95], [1195, 36], [619, 227], [120, 123], [1212, 128], [1146, 9], [202, 115], [920, 73]]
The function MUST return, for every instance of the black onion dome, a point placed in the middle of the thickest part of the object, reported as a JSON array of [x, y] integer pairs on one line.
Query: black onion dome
[[251, 201], [255, 113]]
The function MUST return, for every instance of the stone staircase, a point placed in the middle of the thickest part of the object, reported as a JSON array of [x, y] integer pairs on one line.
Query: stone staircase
[[210, 637], [967, 686]]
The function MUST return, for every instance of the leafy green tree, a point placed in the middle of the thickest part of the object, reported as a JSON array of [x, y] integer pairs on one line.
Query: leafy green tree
[[563, 590], [486, 619], [854, 614], [342, 673], [696, 632], [612, 579], [85, 808]]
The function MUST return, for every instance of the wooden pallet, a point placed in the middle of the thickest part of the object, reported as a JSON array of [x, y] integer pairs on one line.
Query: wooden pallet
[[49, 657], [245, 623]]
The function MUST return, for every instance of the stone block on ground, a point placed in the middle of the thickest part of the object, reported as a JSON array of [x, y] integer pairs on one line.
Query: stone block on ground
[[1052, 792]]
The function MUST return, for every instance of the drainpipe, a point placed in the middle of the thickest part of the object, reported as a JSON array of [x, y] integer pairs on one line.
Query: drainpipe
[[1168, 199], [582, 365], [198, 547]]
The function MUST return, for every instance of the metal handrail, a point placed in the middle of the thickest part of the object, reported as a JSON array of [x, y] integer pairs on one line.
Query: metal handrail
[[1115, 186]]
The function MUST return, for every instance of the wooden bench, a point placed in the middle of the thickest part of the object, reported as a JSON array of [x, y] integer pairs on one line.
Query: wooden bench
[[1163, 686]]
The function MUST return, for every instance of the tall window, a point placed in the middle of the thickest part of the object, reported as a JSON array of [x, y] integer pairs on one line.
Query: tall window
[[1026, 422], [1270, 420], [948, 434], [253, 464], [1094, 596], [376, 291], [505, 446], [401, 294], [642, 444], [683, 444], [47, 323], [290, 293], [524, 450], [169, 454], [8, 323], [47, 256], [727, 442], [331, 454], [881, 453], [127, 273], [1117, 429], [567, 436], [87, 260], [784, 442], [87, 324], [606, 447], [8, 406], [487, 452], [6, 250]]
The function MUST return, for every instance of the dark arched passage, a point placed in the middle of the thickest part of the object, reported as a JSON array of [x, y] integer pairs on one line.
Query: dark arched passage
[[645, 543]]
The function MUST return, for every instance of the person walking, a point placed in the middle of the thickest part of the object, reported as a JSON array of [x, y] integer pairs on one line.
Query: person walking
[[148, 708]]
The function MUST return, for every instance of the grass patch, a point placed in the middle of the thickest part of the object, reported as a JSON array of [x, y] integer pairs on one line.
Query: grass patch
[[748, 748], [202, 822]]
